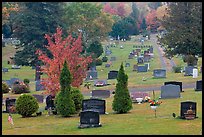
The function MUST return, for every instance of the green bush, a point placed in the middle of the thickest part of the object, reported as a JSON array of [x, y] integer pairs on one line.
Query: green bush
[[77, 97], [105, 59], [26, 105], [26, 81], [177, 69], [5, 87], [98, 62], [20, 87]]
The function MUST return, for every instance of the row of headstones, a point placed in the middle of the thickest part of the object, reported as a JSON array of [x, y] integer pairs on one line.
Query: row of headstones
[[142, 46], [12, 67]]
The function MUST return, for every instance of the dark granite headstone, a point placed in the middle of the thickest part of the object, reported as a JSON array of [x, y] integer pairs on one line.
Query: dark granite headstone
[[185, 106], [135, 67], [189, 71], [147, 58], [100, 93], [140, 59], [108, 52], [170, 91], [39, 98], [50, 102], [198, 85], [39, 86], [9, 103], [89, 119], [92, 68], [107, 65], [112, 74], [127, 64], [37, 73], [94, 104], [142, 68], [151, 49], [159, 73], [4, 69], [135, 95], [175, 83], [92, 75]]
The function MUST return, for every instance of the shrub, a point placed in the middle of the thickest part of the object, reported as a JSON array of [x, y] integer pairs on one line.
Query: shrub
[[5, 87], [26, 81], [77, 97], [105, 59], [122, 102], [98, 62], [19, 88], [177, 69], [26, 105], [64, 103]]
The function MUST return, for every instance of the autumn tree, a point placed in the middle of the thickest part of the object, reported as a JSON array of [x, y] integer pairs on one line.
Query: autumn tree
[[121, 9], [108, 9], [68, 48], [152, 22], [154, 5], [184, 29]]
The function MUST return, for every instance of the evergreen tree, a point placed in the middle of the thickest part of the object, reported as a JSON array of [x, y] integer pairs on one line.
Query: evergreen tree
[[135, 12], [30, 24], [122, 102], [64, 102], [143, 25], [96, 49]]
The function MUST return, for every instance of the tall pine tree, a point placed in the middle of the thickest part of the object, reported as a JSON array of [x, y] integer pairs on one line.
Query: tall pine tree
[[64, 104], [122, 102]]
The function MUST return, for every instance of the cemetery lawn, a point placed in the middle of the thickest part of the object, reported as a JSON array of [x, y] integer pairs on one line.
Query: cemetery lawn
[[139, 121]]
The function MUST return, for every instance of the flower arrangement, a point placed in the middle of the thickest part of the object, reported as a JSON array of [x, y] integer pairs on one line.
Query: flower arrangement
[[154, 102], [146, 98]]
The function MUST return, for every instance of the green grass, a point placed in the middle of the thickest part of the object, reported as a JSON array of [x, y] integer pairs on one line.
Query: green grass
[[139, 121]]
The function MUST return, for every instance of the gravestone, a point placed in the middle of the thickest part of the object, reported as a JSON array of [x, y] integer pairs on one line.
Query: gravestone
[[142, 69], [140, 59], [135, 95], [37, 73], [112, 74], [9, 104], [146, 58], [39, 98], [135, 66], [151, 49], [195, 73], [138, 50], [108, 52], [4, 69], [92, 68], [100, 93], [113, 59], [175, 83], [189, 71], [127, 64], [130, 56], [100, 82], [147, 65], [170, 91], [39, 86], [159, 73], [91, 75], [89, 119], [94, 104], [198, 85], [15, 67], [185, 106], [50, 102], [107, 65]]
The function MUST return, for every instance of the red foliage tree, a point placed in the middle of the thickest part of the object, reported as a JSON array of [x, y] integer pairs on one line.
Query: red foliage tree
[[61, 49], [121, 9], [108, 9], [151, 20]]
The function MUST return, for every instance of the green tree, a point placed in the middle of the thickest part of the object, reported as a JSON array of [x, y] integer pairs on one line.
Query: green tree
[[96, 49], [135, 12], [33, 21], [154, 5], [122, 102], [184, 29], [64, 103], [89, 19], [143, 25]]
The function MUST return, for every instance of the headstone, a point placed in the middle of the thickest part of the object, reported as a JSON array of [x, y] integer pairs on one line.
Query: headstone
[[89, 119], [39, 86], [198, 85], [49, 102], [135, 95], [4, 69], [170, 91], [112, 74], [9, 104], [15, 67], [92, 75], [159, 73], [108, 52], [135, 66], [185, 106], [175, 83], [146, 58], [127, 64], [151, 49], [39, 98], [189, 71], [142, 69], [92, 68], [140, 59], [37, 73], [113, 59], [94, 104], [107, 65], [100, 82], [100, 93], [130, 56], [195, 73], [138, 50]]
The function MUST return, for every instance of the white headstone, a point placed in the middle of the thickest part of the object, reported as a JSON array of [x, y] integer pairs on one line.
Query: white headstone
[[195, 73]]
